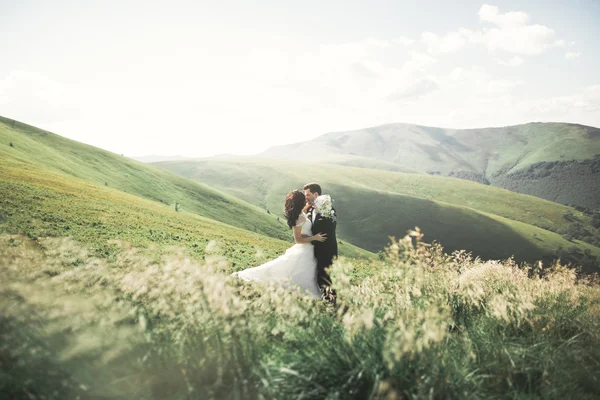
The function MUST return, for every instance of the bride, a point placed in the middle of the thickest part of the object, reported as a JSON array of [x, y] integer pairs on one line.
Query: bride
[[298, 265]]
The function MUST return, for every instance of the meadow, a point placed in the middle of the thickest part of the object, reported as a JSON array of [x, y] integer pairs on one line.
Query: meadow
[[416, 324]]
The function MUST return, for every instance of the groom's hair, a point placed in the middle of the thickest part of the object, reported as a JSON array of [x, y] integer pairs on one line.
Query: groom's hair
[[313, 187]]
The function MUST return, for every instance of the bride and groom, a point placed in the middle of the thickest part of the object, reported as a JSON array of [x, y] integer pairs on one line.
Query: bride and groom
[[312, 219]]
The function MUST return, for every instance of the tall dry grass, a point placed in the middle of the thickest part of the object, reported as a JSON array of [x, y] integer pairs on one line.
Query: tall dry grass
[[420, 324]]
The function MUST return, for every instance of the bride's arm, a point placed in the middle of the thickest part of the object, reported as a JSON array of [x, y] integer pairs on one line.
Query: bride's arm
[[298, 237]]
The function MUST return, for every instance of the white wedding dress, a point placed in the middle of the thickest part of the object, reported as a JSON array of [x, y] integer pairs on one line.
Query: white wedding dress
[[296, 267]]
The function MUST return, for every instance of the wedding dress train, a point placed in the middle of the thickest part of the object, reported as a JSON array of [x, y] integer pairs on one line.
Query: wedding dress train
[[296, 267]]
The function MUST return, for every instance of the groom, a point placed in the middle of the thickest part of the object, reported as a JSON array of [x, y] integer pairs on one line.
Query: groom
[[324, 251]]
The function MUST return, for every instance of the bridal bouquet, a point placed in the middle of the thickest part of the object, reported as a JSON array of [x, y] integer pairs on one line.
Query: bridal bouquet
[[324, 206]]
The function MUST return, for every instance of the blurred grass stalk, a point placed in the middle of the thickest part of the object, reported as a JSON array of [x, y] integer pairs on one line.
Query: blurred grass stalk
[[417, 323]]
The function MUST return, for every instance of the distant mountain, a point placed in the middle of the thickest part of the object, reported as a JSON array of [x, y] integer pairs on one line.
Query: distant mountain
[[155, 158], [509, 157]]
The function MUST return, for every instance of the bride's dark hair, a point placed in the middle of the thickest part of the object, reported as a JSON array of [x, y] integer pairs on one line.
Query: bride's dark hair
[[294, 203]]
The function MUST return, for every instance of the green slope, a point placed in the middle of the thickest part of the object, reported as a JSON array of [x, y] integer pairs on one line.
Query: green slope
[[38, 202], [517, 147], [370, 163], [40, 163], [32, 146], [491, 222]]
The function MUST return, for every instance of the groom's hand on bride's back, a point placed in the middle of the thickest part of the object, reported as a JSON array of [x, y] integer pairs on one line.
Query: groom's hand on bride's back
[[320, 237]]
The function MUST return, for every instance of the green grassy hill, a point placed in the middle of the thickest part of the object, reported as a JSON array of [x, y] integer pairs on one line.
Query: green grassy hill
[[488, 155], [32, 146], [566, 182], [491, 222], [53, 186], [365, 162]]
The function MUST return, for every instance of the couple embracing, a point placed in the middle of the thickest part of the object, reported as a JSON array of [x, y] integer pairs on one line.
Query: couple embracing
[[312, 219]]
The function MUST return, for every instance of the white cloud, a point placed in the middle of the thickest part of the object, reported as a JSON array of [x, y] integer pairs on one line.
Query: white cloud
[[449, 43], [368, 69], [512, 33], [476, 82], [513, 62], [562, 43], [404, 41], [419, 61], [580, 105], [492, 14], [569, 55], [495, 87]]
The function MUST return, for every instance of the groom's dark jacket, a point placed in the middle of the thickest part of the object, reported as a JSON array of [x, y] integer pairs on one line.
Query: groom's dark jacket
[[324, 251]]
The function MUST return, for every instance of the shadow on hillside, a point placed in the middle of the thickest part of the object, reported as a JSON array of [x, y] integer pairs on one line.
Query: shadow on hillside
[[367, 219]]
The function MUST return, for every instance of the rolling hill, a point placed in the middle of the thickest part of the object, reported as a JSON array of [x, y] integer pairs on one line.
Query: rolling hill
[[32, 146], [372, 204], [54, 186], [505, 157]]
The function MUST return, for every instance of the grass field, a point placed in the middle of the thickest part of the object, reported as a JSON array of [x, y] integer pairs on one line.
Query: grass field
[[491, 222], [414, 325]]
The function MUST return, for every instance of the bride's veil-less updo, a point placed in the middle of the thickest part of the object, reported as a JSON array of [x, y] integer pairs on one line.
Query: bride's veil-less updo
[[294, 203]]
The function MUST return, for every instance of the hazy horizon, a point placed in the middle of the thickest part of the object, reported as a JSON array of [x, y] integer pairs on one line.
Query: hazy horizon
[[324, 133], [197, 79]]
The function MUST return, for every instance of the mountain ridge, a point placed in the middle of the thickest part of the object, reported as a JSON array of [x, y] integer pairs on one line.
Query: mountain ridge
[[485, 155]]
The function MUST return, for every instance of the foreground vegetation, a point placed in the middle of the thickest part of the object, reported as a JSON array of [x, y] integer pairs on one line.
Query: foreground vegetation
[[417, 324]]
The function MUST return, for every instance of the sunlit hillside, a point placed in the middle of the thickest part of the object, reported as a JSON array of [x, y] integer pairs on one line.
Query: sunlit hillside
[[51, 186], [23, 147]]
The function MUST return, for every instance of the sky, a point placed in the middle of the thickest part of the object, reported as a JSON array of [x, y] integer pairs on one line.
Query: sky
[[201, 78]]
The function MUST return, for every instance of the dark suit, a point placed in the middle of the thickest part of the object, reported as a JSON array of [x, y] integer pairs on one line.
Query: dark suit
[[324, 251]]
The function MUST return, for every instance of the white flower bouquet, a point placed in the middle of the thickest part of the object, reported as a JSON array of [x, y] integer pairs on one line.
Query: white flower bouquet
[[324, 206]]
